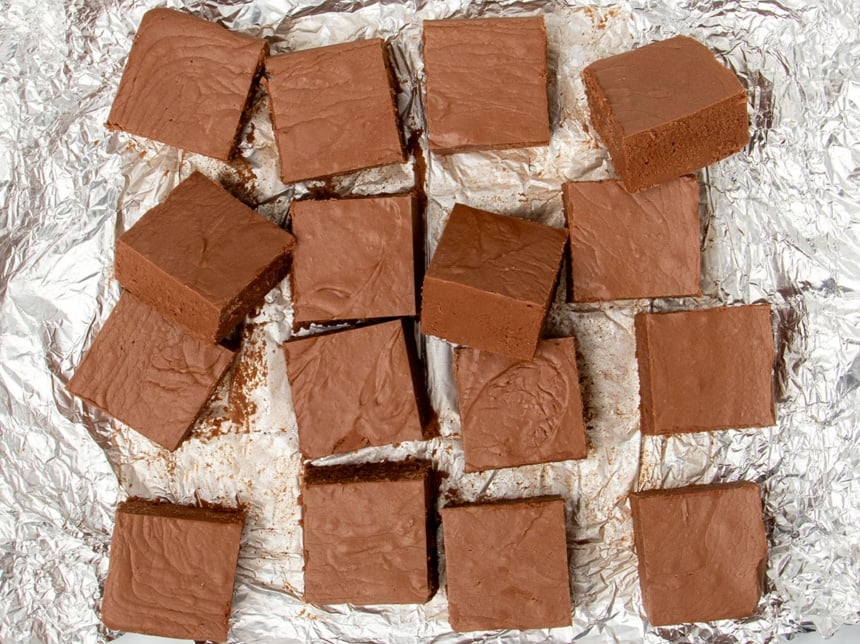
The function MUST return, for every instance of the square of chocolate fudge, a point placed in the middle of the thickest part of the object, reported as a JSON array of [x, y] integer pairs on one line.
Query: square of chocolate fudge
[[333, 110], [506, 564], [516, 412], [666, 109], [171, 570], [369, 534], [491, 281], [355, 259], [356, 388], [486, 84], [702, 551], [188, 83], [148, 372], [705, 370], [203, 258], [627, 245]]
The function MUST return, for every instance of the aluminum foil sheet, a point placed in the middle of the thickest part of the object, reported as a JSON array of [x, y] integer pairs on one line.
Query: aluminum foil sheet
[[780, 222]]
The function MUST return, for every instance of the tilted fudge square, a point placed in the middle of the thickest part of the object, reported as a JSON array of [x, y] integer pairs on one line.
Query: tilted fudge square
[[188, 83], [333, 110], [491, 281], [702, 551], [148, 372], [666, 109], [355, 259], [627, 245], [515, 412], [705, 370], [369, 534], [506, 564], [171, 570], [486, 84], [203, 258]]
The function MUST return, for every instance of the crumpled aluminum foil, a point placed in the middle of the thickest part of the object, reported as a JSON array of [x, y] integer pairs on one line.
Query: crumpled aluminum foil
[[780, 222]]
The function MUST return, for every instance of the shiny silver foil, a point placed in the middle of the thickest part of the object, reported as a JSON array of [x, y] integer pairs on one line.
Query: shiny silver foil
[[780, 223]]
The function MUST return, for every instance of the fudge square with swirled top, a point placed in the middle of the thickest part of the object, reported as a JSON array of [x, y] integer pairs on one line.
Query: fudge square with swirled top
[[517, 412]]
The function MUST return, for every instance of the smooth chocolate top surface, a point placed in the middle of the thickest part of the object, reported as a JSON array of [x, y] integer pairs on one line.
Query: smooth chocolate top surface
[[186, 83], [702, 551], [507, 565], [664, 81], [515, 412], [705, 370], [352, 389], [486, 83], [354, 259], [171, 570], [632, 245], [333, 110], [149, 373]]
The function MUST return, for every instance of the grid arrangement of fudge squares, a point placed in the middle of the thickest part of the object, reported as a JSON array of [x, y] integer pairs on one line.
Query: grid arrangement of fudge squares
[[369, 530]]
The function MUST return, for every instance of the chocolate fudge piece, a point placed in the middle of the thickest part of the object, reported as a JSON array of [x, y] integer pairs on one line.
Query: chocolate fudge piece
[[491, 281], [355, 388], [203, 258], [633, 245], [171, 570], [368, 534], [146, 371], [506, 564], [705, 370], [354, 259], [188, 83], [486, 84], [333, 110], [702, 552], [515, 412], [666, 109]]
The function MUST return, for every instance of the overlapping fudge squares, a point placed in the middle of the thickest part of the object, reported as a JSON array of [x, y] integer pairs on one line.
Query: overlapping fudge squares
[[666, 109], [188, 83]]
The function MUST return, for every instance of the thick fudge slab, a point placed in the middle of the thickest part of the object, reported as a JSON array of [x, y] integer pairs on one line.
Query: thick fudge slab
[[355, 388], [486, 84], [333, 110], [506, 564], [368, 534], [627, 245], [515, 412], [187, 83], [171, 570], [354, 259], [203, 258], [146, 371], [490, 282], [705, 370], [666, 109], [702, 551]]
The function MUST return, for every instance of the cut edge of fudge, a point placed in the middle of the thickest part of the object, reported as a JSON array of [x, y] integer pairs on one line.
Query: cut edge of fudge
[[159, 508]]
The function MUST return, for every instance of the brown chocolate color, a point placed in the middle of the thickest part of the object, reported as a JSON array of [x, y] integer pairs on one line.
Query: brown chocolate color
[[203, 258], [187, 83], [354, 388], [633, 245], [515, 412], [146, 371], [491, 281], [368, 536], [333, 110], [705, 370], [666, 109], [486, 84], [506, 564], [171, 570], [354, 259], [702, 551]]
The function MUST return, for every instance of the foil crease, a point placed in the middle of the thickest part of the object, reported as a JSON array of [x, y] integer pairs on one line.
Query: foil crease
[[780, 223]]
